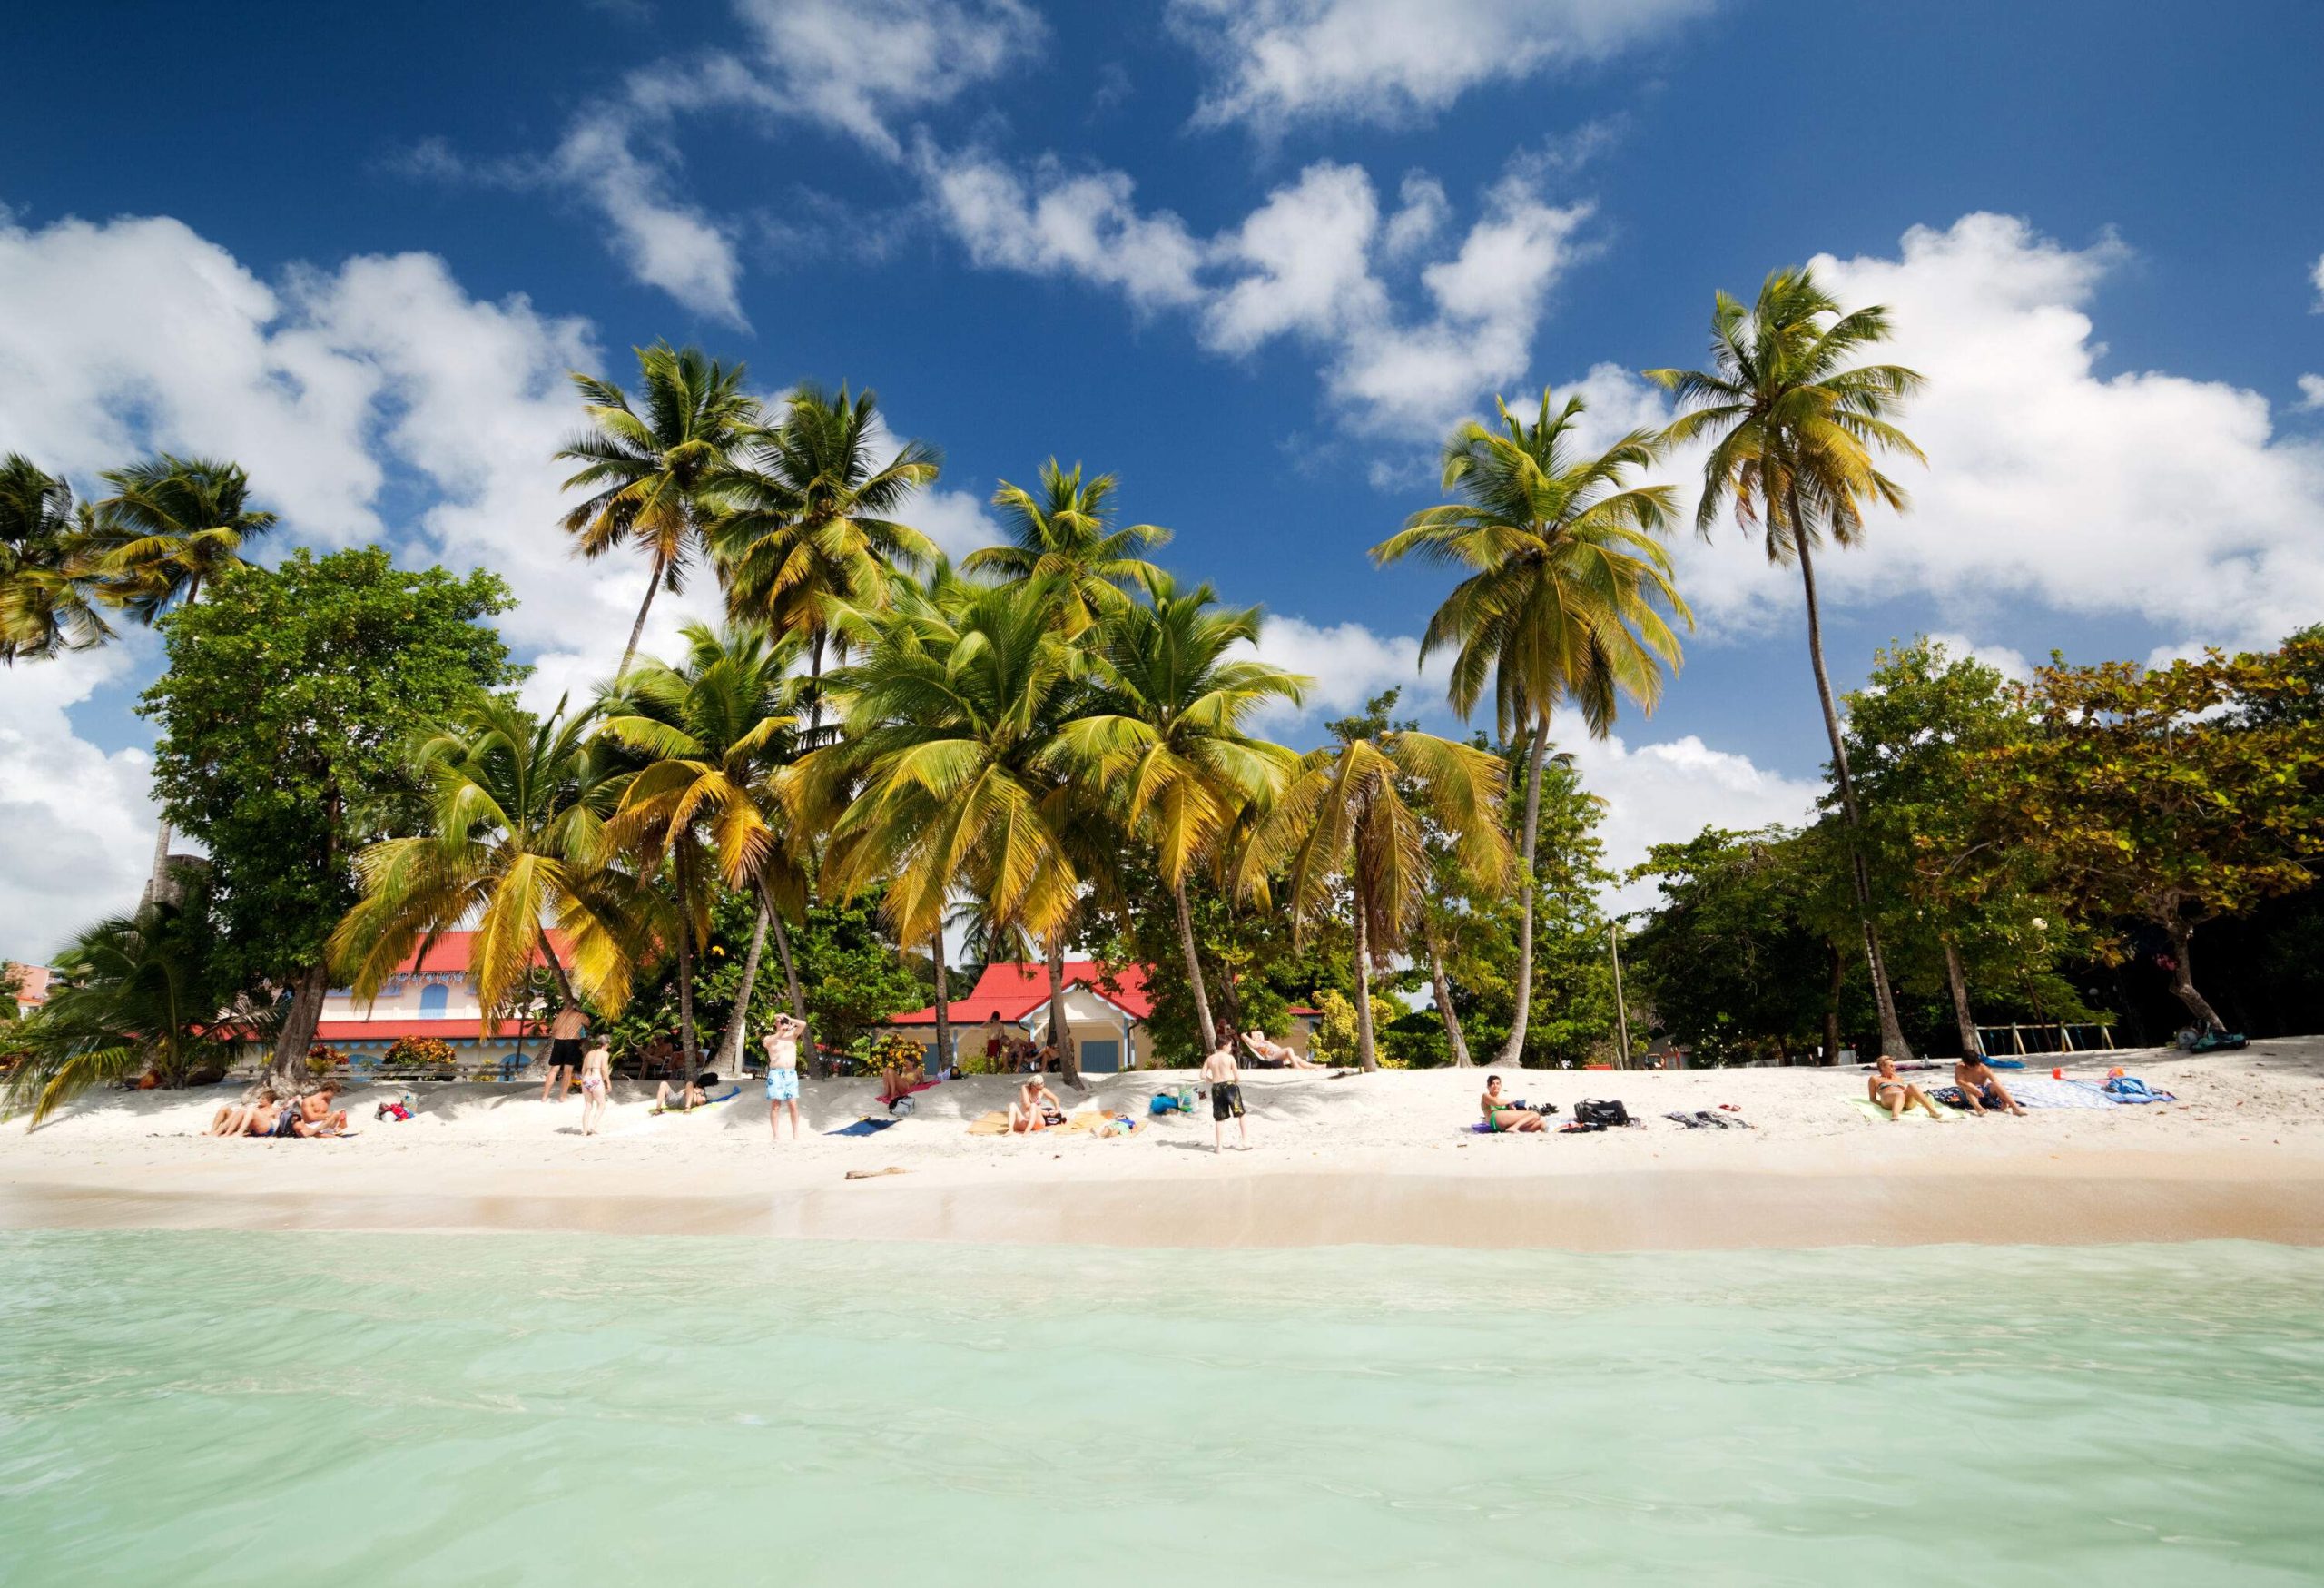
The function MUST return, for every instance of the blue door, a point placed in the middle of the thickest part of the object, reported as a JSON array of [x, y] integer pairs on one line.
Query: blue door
[[1101, 1057]]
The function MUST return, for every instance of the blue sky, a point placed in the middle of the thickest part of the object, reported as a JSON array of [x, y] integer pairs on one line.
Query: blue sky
[[1255, 259]]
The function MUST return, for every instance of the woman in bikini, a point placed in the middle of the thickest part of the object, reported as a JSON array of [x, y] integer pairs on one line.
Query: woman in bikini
[[1895, 1093], [1503, 1116], [1036, 1109], [596, 1085]]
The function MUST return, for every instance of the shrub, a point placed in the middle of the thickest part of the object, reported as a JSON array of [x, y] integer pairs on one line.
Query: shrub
[[322, 1058], [419, 1053]]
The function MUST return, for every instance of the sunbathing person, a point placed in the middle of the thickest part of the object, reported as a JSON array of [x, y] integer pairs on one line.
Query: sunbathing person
[[1276, 1055], [254, 1118], [315, 1109], [1036, 1109], [1981, 1090], [1503, 1115], [687, 1098], [897, 1081], [1895, 1094]]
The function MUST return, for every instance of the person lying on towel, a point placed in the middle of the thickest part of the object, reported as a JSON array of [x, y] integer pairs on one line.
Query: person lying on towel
[[1894, 1093], [1982, 1091]]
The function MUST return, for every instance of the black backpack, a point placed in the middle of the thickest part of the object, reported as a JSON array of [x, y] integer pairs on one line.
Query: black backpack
[[1591, 1112]]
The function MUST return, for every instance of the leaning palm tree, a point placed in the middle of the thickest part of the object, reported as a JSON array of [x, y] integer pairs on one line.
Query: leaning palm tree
[[1565, 601], [171, 526], [648, 472], [714, 737], [1360, 814], [1794, 430], [809, 523], [968, 778], [1167, 734], [1065, 535], [48, 585], [517, 816], [133, 994]]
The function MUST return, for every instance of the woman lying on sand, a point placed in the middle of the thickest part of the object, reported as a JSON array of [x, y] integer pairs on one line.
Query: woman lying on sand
[[1036, 1109], [1502, 1115], [1895, 1094], [1276, 1055]]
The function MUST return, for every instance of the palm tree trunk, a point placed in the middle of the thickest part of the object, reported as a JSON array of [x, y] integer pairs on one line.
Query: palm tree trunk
[[1832, 1001], [1892, 1034], [1068, 1062], [1515, 1046], [790, 977], [729, 1046], [944, 1057], [1365, 1054], [1453, 1033], [298, 1032], [637, 629], [2182, 976], [689, 1041], [1194, 967], [1959, 983]]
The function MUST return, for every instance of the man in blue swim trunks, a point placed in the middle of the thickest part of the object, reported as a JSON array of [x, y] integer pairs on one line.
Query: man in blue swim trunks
[[781, 1046]]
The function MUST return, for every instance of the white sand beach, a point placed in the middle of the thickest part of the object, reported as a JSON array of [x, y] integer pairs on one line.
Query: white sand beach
[[1386, 1158]]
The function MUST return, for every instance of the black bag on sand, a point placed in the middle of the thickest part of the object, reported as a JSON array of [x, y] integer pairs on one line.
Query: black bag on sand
[[1592, 1111]]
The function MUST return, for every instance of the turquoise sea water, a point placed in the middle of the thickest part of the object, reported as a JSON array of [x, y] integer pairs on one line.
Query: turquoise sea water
[[242, 1408]]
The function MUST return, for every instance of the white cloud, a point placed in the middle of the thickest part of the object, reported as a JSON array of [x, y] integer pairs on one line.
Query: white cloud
[[2311, 393], [956, 521], [2006, 660], [77, 824], [664, 242], [1420, 215], [1348, 665], [2316, 277], [1302, 259], [1277, 61], [1054, 221]]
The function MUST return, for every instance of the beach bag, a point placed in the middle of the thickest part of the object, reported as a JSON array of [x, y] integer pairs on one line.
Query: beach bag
[[904, 1106], [1594, 1111]]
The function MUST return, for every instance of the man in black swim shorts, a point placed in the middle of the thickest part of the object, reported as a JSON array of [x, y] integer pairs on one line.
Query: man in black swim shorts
[[565, 1046], [1226, 1092]]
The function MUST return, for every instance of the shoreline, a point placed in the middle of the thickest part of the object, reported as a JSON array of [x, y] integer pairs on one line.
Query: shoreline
[[1381, 1159]]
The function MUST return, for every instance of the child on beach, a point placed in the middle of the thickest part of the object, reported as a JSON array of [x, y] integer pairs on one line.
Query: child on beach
[[781, 1046], [1226, 1092], [254, 1118], [596, 1086]]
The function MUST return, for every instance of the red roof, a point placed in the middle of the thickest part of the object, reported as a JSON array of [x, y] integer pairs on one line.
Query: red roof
[[32, 984], [1013, 990], [451, 952], [388, 1031]]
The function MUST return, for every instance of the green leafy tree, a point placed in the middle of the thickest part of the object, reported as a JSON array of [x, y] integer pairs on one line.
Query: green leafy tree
[[648, 469], [1794, 430], [49, 601], [1566, 599], [2172, 795], [1066, 537], [283, 716]]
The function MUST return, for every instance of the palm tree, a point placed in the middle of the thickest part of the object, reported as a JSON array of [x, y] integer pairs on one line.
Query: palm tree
[[48, 587], [1793, 431], [1361, 812], [716, 735], [1563, 603], [517, 812], [171, 526], [648, 473], [970, 779], [809, 526], [1167, 734], [1065, 535], [132, 993]]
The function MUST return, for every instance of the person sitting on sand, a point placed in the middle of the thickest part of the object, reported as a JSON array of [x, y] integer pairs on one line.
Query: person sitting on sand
[[686, 1100], [899, 1081], [1895, 1094], [1226, 1081], [1502, 1115], [1036, 1109], [1278, 1054], [315, 1108], [1982, 1091], [254, 1118]]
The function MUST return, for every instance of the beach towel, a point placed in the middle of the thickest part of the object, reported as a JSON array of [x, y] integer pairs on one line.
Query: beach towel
[[995, 1123], [1872, 1111], [2041, 1092], [2130, 1089], [2005, 1064], [862, 1127]]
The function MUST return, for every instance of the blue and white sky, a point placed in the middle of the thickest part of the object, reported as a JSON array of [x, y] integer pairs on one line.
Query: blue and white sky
[[1255, 259]]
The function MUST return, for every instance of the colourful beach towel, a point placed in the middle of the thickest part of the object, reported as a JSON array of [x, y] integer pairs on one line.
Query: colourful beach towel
[[2042, 1092], [862, 1127], [1872, 1111]]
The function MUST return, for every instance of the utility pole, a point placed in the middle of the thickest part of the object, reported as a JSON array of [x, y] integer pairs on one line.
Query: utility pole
[[1621, 1010]]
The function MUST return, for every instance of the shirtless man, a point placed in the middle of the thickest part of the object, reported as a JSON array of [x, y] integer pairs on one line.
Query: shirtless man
[[683, 1100], [1226, 1092], [1895, 1093], [315, 1109], [254, 1118], [782, 1045], [1036, 1109], [1981, 1088], [1502, 1115], [564, 1034], [1276, 1052]]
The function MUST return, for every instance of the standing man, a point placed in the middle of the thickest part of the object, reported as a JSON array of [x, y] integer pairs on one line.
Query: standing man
[[782, 1045], [564, 1034]]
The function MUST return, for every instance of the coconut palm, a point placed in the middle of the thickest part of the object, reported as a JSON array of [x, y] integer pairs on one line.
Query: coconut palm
[[968, 778], [1795, 429], [809, 523], [1066, 535], [517, 812], [715, 736], [1167, 734], [1565, 601], [1360, 814], [132, 993], [648, 472], [171, 526], [48, 586]]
